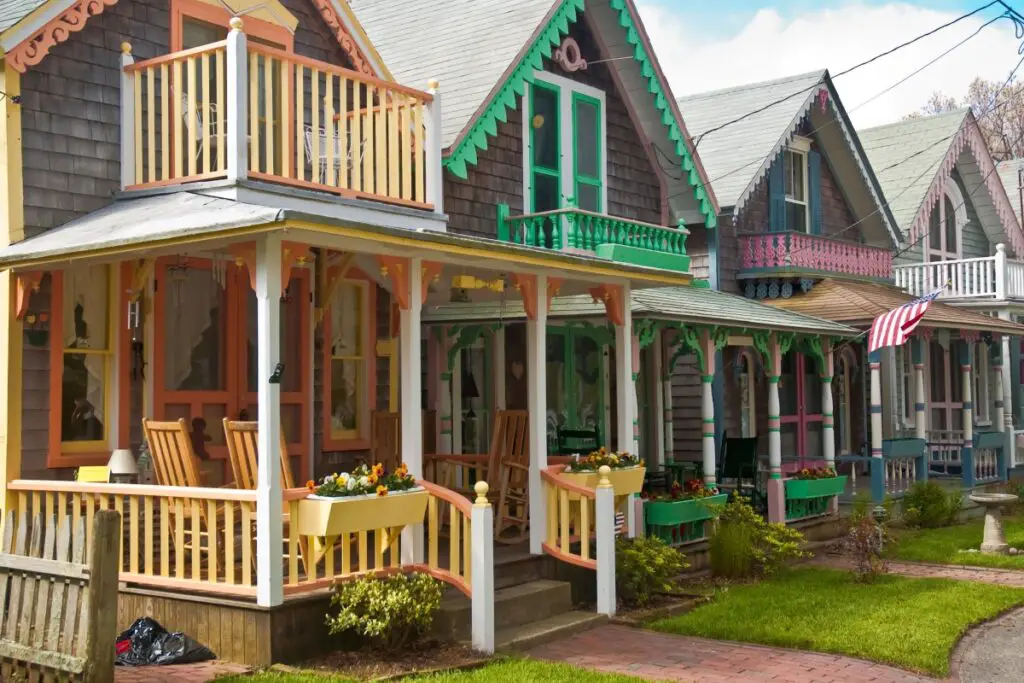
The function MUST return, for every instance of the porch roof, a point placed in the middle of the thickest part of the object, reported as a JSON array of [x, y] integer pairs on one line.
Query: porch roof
[[859, 303], [683, 304]]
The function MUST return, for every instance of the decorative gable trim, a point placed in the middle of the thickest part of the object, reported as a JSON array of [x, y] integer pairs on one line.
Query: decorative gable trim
[[329, 11], [33, 49], [969, 136]]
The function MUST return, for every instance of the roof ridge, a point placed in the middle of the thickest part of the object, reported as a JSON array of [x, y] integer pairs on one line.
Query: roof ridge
[[961, 111], [749, 86]]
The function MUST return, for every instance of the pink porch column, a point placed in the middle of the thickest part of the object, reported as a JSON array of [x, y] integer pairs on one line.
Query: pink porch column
[[776, 488]]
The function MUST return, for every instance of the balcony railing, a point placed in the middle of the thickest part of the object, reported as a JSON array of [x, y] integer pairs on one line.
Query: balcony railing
[[238, 110], [992, 277], [575, 230], [798, 253]]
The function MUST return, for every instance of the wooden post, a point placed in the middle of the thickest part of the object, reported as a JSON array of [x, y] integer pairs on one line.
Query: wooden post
[[483, 571], [238, 102], [625, 390], [920, 400], [604, 510], [500, 392], [128, 114], [411, 389], [1000, 416], [828, 438], [655, 375], [269, 571], [444, 414], [11, 398], [537, 404], [1008, 392], [967, 453], [1000, 268], [776, 488], [707, 407], [455, 371], [104, 565], [667, 416], [432, 148]]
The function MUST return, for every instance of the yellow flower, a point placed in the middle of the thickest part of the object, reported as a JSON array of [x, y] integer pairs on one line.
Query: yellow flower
[[372, 478], [378, 470], [382, 490], [311, 485]]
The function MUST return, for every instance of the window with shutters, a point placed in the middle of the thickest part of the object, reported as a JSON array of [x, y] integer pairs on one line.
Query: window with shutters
[[796, 185]]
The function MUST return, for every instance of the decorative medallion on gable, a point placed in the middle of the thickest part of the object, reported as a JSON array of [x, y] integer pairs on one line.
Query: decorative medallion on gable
[[569, 56], [347, 42]]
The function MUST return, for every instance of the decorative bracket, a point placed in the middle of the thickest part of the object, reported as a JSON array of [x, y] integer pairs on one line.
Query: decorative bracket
[[142, 269], [396, 269], [772, 346], [334, 269], [292, 254], [28, 284], [466, 336], [612, 296], [431, 273], [646, 330], [526, 285], [33, 49]]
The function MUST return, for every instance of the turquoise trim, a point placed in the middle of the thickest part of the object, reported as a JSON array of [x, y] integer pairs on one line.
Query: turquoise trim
[[533, 170], [578, 178]]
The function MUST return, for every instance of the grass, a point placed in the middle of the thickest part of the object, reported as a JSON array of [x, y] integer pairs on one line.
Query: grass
[[499, 670], [911, 623], [944, 546]]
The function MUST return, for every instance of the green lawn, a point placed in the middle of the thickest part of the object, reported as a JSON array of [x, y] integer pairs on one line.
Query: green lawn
[[912, 623], [500, 670], [944, 546]]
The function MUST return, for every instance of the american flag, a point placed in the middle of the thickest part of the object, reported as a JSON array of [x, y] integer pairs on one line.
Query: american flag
[[893, 328]]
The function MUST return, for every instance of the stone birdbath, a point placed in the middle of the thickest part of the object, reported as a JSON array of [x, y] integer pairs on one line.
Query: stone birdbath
[[994, 543]]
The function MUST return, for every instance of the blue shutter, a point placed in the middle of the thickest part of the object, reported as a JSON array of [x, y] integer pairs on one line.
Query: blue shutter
[[777, 196], [814, 190]]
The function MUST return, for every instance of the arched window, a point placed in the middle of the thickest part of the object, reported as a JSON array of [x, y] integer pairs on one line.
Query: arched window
[[946, 224], [846, 373]]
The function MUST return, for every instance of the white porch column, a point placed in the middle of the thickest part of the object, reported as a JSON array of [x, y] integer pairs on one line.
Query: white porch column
[[707, 406], [624, 384], [666, 415], [500, 392], [444, 414], [660, 445], [1006, 373], [828, 438], [967, 454], [238, 102], [776, 489], [410, 400], [634, 395], [269, 570], [537, 404], [920, 401], [456, 393], [999, 417], [127, 118], [875, 364]]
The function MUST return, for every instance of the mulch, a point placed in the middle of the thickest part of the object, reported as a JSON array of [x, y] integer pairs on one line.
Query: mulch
[[423, 658]]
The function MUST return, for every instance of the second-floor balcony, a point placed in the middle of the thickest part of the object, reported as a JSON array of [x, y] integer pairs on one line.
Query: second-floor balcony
[[240, 110], [995, 278], [797, 254]]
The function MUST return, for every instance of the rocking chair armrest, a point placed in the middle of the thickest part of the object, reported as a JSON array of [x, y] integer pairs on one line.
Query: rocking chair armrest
[[517, 466]]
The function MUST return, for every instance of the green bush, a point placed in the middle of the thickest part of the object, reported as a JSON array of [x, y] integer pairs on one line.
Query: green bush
[[389, 612], [645, 567], [744, 543], [926, 504]]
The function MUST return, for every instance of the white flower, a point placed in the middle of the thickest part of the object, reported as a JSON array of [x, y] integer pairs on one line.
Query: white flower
[[351, 484], [343, 478], [363, 482]]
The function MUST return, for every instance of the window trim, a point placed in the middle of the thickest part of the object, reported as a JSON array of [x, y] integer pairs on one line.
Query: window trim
[[65, 454], [578, 178], [360, 440], [528, 142], [799, 146], [751, 392], [567, 88], [950, 191], [846, 360], [210, 14]]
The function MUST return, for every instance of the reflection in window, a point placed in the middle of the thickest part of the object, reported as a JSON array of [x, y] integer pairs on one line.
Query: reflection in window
[[85, 324], [348, 320], [195, 308]]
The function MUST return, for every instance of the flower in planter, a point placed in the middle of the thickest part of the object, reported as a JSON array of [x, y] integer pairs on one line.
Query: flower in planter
[[382, 490], [363, 481], [694, 489], [597, 459], [816, 473]]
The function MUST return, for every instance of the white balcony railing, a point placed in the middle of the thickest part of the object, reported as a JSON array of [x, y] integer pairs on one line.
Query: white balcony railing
[[992, 277]]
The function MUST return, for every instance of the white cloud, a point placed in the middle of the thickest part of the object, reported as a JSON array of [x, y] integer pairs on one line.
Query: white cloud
[[770, 46]]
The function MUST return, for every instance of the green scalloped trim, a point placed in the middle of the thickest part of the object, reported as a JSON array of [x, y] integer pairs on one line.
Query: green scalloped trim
[[505, 100], [497, 110]]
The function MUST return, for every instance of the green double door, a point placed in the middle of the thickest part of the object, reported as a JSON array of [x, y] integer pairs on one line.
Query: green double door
[[576, 368]]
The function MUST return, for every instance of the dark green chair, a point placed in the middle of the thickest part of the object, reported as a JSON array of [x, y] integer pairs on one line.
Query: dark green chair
[[572, 441], [738, 462]]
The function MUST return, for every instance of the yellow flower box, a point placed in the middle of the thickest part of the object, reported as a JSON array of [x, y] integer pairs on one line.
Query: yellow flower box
[[331, 517], [625, 481]]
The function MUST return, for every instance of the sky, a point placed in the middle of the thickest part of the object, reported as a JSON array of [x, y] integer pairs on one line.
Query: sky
[[712, 44]]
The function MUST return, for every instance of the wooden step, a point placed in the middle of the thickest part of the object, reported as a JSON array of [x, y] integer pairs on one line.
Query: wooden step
[[525, 636], [513, 606]]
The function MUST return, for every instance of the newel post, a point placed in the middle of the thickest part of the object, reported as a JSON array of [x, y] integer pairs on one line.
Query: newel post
[[1000, 272], [127, 117], [238, 103], [604, 499], [483, 571], [432, 147]]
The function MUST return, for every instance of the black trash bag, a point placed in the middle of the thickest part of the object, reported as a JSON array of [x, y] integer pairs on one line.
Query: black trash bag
[[147, 642]]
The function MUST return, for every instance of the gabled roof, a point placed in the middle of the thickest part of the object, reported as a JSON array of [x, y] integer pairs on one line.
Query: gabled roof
[[913, 159], [1008, 174], [682, 304], [738, 156], [13, 11], [485, 52], [859, 303]]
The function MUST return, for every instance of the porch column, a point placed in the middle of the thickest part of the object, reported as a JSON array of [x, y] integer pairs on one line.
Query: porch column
[[665, 377], [877, 465], [410, 399], [707, 406], [634, 395], [237, 105], [537, 404], [269, 570], [500, 392], [659, 400], [626, 355], [1008, 391], [11, 398], [920, 404], [967, 454], [828, 437], [444, 413], [776, 489], [1000, 416], [455, 372]]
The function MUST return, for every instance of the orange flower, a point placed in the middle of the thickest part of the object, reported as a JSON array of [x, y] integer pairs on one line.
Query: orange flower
[[378, 470], [311, 485], [372, 478], [382, 490], [402, 470]]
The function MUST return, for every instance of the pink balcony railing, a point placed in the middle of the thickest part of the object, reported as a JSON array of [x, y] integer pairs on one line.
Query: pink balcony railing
[[797, 252]]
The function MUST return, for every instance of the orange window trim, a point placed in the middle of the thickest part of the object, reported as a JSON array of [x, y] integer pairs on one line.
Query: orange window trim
[[195, 9], [370, 356]]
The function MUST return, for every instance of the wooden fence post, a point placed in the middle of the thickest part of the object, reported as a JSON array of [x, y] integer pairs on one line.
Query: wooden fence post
[[104, 561]]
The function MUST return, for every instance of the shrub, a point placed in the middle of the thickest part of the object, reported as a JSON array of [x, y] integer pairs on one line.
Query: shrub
[[866, 540], [644, 567], [389, 613], [926, 504], [744, 544]]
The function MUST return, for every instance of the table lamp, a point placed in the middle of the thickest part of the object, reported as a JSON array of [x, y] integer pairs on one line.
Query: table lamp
[[122, 466]]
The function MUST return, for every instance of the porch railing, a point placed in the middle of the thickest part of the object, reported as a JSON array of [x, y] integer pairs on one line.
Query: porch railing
[[992, 277], [945, 447], [903, 462], [774, 252], [987, 464], [576, 230], [234, 110]]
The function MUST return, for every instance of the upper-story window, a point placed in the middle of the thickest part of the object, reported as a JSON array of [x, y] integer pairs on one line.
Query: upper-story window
[[195, 23], [565, 151], [797, 205], [946, 224]]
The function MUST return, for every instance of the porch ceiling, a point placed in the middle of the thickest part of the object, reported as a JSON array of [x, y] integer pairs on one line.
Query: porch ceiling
[[859, 303], [681, 304], [171, 223]]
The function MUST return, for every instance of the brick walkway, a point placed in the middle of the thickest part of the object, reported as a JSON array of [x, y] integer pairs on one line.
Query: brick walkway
[[178, 673], [660, 656], [1001, 577]]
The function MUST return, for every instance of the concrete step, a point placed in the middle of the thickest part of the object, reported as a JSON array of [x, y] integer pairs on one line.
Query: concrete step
[[535, 633], [513, 606], [517, 568]]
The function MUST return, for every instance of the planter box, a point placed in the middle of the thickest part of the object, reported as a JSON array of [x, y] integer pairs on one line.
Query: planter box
[[676, 512], [626, 481], [802, 489], [332, 517]]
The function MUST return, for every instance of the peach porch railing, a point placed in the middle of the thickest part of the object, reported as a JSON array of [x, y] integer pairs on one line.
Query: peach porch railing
[[239, 110]]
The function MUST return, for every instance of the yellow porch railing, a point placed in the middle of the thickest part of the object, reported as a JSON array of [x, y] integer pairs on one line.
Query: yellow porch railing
[[571, 508]]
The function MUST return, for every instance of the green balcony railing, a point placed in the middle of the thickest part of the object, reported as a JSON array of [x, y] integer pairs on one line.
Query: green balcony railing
[[619, 239]]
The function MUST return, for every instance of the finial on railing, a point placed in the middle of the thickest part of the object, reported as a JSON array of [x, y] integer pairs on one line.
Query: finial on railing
[[433, 84], [235, 23], [481, 489], [126, 48], [603, 472], [1000, 247]]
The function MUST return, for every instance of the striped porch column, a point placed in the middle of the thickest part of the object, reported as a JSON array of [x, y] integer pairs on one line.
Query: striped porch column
[[707, 406], [967, 454], [828, 445], [1000, 416], [920, 402], [877, 466], [776, 489], [635, 361]]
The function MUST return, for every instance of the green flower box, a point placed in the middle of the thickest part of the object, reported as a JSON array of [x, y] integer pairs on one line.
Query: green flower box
[[676, 512], [802, 489]]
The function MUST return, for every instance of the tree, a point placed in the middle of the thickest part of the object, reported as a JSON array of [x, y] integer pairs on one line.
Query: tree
[[999, 110]]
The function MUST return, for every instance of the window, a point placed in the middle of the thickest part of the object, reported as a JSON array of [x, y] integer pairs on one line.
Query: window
[[349, 363], [906, 378], [945, 225], [843, 388], [982, 371], [795, 171], [565, 137], [195, 23], [81, 361], [745, 369]]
